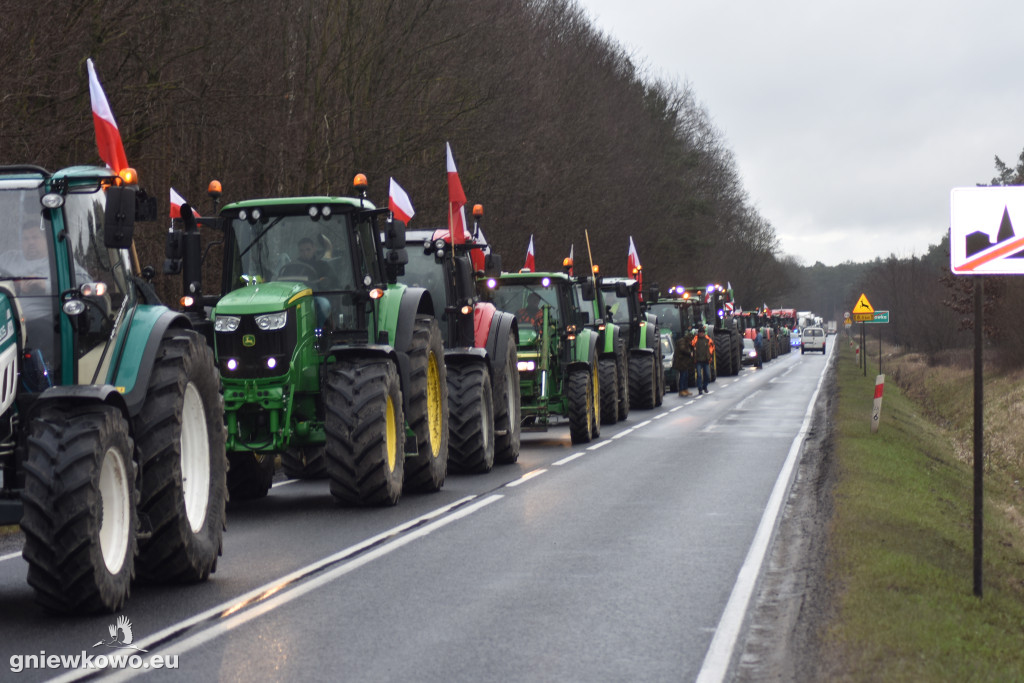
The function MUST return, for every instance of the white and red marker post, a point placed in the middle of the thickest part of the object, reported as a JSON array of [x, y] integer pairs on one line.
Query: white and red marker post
[[876, 410]]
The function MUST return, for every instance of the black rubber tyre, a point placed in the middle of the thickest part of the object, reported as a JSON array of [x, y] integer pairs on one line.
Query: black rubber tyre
[[723, 353], [249, 475], [365, 432], [579, 388], [428, 408], [595, 392], [304, 462], [180, 440], [470, 419], [609, 390], [80, 508], [507, 411], [641, 380], [622, 368]]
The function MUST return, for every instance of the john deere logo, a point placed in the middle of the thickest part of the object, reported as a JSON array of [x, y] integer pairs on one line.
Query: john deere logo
[[248, 340]]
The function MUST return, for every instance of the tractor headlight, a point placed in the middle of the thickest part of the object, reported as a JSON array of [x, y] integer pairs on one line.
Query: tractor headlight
[[272, 321], [526, 366], [226, 323]]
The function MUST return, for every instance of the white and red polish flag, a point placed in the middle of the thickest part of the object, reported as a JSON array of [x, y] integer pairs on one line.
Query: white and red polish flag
[[176, 202], [108, 137], [530, 265], [456, 202], [398, 202], [633, 263]]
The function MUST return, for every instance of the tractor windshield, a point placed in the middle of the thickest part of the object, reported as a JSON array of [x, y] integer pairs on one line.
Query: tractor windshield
[[423, 270], [619, 307], [527, 300], [285, 243]]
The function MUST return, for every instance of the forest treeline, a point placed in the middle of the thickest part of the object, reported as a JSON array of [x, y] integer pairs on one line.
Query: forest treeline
[[554, 127]]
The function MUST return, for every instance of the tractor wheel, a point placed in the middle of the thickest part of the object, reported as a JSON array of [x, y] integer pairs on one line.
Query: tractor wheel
[[507, 411], [80, 508], [249, 475], [304, 462], [641, 380], [581, 406], [595, 391], [609, 390], [622, 370], [365, 432], [470, 418], [428, 408], [180, 440]]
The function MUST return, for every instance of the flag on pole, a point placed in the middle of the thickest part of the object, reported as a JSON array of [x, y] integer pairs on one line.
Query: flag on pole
[[633, 267], [571, 262], [108, 137], [456, 202], [530, 266], [398, 202], [176, 201]]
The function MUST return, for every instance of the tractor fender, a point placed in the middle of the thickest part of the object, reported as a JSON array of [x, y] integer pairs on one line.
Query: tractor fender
[[586, 348], [415, 301], [467, 354], [78, 393], [483, 317], [137, 354], [504, 326], [610, 341]]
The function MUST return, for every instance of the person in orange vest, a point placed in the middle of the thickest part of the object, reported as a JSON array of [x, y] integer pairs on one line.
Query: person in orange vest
[[703, 352], [532, 313]]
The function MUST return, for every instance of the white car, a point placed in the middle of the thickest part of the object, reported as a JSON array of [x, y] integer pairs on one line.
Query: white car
[[812, 339]]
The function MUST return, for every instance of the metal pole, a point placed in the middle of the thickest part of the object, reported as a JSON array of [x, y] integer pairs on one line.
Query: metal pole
[[979, 463], [863, 348], [879, 349]]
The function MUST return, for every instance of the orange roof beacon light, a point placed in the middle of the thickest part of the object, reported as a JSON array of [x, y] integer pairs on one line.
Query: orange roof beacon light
[[567, 264], [478, 210], [359, 182], [597, 269], [214, 189], [128, 176]]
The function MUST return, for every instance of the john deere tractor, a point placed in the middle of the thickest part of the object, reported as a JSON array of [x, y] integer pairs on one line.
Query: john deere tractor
[[480, 347], [112, 431], [325, 359], [558, 354], [612, 349]]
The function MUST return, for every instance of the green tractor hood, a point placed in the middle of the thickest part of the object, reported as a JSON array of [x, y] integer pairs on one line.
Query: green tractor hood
[[266, 297]]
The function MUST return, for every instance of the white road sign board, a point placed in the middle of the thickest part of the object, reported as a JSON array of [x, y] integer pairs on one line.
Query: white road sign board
[[982, 236]]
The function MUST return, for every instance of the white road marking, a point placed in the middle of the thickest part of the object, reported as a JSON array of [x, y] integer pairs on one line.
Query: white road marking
[[9, 556], [525, 478], [739, 406], [569, 458]]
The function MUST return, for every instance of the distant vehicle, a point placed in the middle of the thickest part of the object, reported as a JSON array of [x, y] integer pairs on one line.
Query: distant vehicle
[[794, 339], [813, 339], [749, 356], [831, 327], [667, 351]]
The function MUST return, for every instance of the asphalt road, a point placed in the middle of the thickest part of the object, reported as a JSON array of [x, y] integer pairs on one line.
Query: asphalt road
[[631, 558]]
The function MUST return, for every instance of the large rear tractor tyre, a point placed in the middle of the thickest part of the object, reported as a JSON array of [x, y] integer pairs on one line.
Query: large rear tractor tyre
[[470, 419], [180, 440], [365, 432], [641, 380], [609, 390], [428, 408], [507, 410], [304, 462], [595, 392], [250, 475], [80, 508], [581, 406]]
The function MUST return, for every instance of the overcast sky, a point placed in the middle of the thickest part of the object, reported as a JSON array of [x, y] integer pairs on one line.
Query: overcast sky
[[850, 122]]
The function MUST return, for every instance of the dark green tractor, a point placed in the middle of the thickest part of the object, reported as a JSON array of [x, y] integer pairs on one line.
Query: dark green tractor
[[325, 360], [112, 437], [612, 349], [557, 352], [643, 339]]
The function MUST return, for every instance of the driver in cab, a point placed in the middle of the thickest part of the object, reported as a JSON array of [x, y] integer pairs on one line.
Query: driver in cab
[[309, 257]]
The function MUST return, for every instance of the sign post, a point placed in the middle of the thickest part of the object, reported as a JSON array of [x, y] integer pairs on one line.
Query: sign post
[[982, 241], [863, 312], [879, 317]]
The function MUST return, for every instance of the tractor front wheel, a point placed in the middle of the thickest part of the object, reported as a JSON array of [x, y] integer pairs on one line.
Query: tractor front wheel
[[507, 409], [428, 408], [581, 406], [80, 508], [470, 418]]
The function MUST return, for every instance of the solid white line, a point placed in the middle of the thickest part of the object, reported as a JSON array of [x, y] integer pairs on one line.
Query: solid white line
[[300, 590], [525, 478], [719, 655], [569, 458], [739, 406], [11, 556], [283, 483]]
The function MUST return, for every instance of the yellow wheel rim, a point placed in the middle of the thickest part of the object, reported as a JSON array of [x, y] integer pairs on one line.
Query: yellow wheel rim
[[390, 435], [434, 408]]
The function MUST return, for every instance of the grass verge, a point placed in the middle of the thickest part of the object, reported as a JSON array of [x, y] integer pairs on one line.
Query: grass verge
[[901, 549]]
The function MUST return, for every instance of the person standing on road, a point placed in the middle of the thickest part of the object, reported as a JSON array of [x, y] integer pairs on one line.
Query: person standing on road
[[702, 351], [682, 363], [759, 347]]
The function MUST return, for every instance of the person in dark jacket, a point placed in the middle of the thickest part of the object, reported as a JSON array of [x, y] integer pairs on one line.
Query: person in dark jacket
[[682, 363]]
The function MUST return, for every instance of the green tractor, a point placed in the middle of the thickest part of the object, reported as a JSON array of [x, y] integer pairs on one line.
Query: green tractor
[[558, 355], [625, 308], [112, 438], [324, 358], [613, 361]]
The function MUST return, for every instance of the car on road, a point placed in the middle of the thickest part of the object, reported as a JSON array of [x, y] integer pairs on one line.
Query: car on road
[[667, 352], [812, 339], [749, 356], [794, 339]]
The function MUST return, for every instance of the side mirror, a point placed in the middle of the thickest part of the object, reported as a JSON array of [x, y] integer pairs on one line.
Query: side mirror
[[586, 317], [622, 290], [465, 282], [492, 263], [119, 218], [394, 235], [587, 290]]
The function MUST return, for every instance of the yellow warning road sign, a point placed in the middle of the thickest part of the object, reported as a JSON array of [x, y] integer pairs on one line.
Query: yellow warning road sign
[[863, 306]]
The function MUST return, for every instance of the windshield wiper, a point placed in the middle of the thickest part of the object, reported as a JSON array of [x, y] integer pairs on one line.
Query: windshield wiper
[[260, 236]]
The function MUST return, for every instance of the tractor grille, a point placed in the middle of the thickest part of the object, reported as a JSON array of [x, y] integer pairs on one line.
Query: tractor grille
[[250, 352]]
